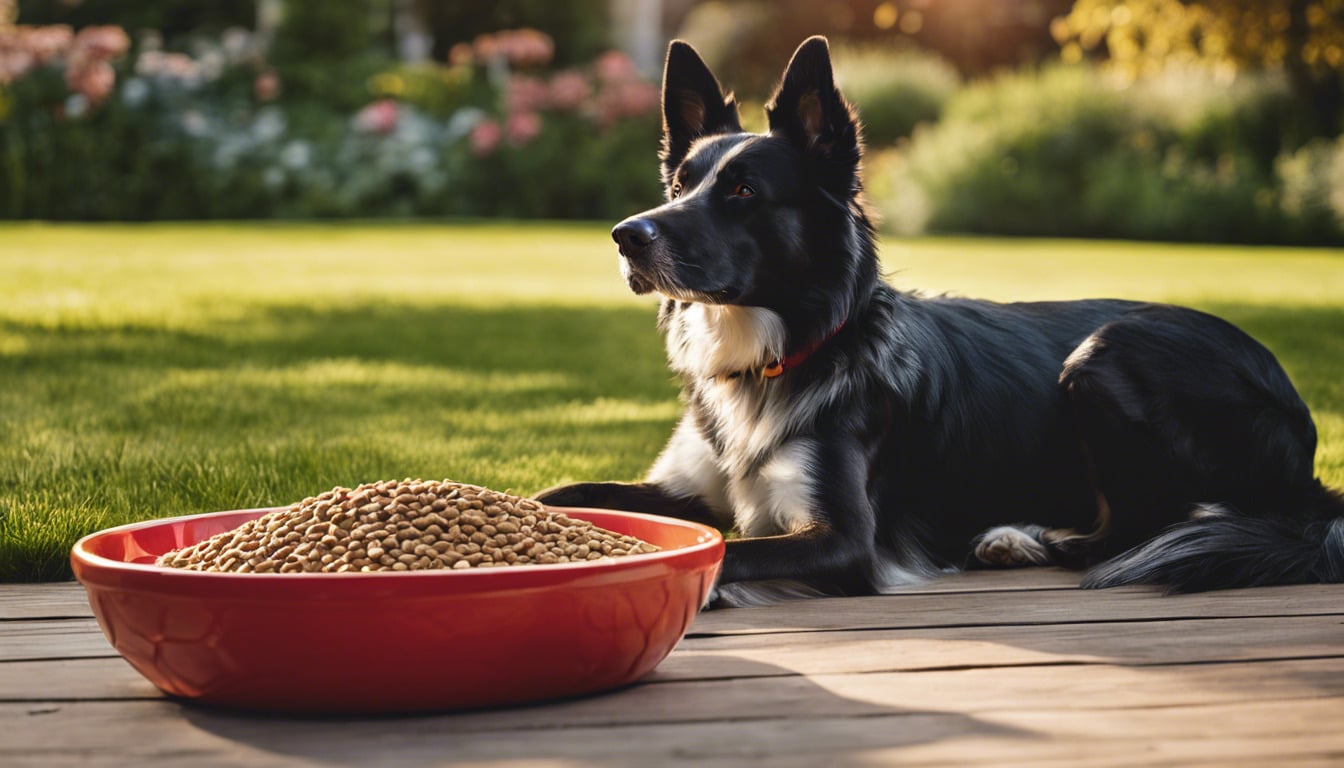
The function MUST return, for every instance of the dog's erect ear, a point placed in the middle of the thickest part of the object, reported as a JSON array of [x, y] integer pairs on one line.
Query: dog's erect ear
[[809, 110], [693, 105]]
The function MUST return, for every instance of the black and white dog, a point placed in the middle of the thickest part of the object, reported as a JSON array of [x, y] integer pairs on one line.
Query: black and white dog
[[857, 436]]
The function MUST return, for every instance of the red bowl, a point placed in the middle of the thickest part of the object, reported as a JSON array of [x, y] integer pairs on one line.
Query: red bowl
[[394, 642]]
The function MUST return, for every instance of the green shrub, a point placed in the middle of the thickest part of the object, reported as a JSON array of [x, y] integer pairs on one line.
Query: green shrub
[[1312, 189], [1067, 152], [895, 89]]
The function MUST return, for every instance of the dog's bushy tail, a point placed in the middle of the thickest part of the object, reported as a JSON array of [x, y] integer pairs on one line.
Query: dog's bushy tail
[[1227, 551]]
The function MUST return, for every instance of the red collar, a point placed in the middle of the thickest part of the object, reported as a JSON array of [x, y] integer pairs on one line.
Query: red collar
[[777, 367]]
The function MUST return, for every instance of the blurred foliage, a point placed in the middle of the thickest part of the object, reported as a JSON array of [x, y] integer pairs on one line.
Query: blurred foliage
[[434, 89], [321, 47], [747, 42], [579, 27], [894, 89], [1141, 37], [1069, 152], [170, 18], [227, 134]]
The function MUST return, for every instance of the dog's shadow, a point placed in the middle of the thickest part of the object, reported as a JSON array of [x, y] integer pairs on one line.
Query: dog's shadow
[[757, 710]]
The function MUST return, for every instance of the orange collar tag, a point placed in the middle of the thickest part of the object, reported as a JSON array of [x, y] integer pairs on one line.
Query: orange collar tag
[[772, 370]]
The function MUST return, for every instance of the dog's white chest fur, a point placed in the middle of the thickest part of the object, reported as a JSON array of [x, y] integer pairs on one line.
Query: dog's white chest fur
[[710, 340], [760, 472]]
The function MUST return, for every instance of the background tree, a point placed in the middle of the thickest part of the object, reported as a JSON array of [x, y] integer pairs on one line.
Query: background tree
[[1305, 37]]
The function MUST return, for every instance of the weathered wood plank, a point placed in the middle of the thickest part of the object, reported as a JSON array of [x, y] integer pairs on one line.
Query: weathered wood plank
[[1016, 608], [70, 638], [55, 600], [979, 690], [740, 656], [52, 639], [1127, 644], [1265, 732], [66, 599], [73, 680]]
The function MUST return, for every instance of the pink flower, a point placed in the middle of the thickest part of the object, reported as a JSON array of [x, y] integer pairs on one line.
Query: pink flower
[[46, 43], [93, 80], [379, 117], [175, 65], [525, 94], [625, 99], [568, 90], [460, 55], [526, 47], [523, 127], [107, 42], [519, 47], [615, 67], [15, 64], [484, 138], [485, 47], [267, 86], [25, 47]]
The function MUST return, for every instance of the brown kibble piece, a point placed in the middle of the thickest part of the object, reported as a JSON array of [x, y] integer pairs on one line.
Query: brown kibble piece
[[406, 525]]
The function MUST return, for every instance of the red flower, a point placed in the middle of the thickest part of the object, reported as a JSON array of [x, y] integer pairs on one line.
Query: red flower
[[568, 90], [525, 94], [615, 67], [93, 80], [379, 117], [267, 86], [484, 137], [523, 127]]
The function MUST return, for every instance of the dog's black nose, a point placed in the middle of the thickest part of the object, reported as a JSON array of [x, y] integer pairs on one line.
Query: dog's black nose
[[634, 235]]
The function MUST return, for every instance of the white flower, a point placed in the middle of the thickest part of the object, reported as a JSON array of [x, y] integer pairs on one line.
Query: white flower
[[269, 124], [296, 154], [76, 105], [195, 123], [135, 92]]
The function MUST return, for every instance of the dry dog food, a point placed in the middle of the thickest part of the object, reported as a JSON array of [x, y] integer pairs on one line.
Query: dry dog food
[[404, 526]]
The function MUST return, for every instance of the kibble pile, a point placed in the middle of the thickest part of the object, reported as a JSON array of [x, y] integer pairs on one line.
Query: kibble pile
[[410, 525]]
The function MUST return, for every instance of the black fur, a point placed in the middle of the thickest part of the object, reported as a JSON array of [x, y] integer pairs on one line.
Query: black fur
[[918, 424]]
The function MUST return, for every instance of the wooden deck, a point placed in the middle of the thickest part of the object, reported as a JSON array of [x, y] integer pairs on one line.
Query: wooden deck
[[999, 669]]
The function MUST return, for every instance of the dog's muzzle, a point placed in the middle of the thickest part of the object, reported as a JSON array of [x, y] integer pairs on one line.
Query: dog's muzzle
[[633, 238]]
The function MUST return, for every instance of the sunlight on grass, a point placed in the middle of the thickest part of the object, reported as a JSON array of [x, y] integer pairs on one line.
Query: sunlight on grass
[[154, 370]]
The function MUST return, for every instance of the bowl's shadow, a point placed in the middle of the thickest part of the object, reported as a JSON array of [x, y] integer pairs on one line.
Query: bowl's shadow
[[724, 720]]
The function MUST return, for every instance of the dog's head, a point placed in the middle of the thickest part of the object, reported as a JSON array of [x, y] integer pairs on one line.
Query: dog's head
[[767, 220]]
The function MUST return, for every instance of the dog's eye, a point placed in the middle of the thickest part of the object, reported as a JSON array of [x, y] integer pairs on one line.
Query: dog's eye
[[676, 190], [742, 190]]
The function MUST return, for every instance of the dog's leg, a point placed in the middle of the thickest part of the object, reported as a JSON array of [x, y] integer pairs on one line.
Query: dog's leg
[[684, 483], [813, 489], [648, 498], [817, 556]]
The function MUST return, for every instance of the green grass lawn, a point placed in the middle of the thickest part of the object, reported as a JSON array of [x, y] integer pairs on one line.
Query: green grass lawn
[[161, 370]]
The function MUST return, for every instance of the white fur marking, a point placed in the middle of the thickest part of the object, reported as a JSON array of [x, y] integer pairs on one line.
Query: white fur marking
[[1208, 509], [891, 569], [780, 498], [1081, 352], [708, 340], [686, 468]]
